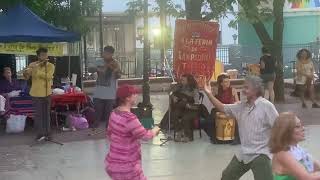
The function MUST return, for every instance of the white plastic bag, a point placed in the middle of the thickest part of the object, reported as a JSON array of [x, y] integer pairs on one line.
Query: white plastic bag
[[16, 123], [14, 93], [57, 91]]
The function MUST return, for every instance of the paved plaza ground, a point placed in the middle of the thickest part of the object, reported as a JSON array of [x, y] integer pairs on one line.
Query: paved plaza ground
[[81, 157]]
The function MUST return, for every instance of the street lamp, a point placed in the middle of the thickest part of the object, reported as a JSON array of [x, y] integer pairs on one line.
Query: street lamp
[[101, 28], [145, 108], [116, 30], [156, 32]]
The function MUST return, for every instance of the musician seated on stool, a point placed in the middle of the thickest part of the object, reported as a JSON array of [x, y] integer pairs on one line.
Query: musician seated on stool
[[227, 95], [183, 108]]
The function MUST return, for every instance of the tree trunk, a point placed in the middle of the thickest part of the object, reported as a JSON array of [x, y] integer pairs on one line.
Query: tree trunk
[[193, 9], [278, 27], [275, 44]]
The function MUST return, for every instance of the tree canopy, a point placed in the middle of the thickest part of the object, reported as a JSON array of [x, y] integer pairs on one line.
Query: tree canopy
[[67, 14]]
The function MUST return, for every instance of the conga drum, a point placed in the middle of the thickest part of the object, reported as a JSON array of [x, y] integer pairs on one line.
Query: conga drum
[[225, 127]]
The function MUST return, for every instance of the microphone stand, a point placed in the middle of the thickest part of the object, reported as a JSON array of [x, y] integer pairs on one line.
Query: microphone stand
[[46, 137], [169, 136]]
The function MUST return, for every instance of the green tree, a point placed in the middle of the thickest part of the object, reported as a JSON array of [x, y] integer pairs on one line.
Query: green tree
[[205, 10], [256, 12], [163, 9], [69, 14]]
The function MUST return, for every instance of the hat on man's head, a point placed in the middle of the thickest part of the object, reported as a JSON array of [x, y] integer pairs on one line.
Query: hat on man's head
[[126, 90]]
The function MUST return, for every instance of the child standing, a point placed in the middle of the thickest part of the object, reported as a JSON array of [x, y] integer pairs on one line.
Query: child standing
[[123, 161]]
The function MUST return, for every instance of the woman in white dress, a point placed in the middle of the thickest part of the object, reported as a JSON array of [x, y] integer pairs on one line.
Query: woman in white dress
[[305, 77]]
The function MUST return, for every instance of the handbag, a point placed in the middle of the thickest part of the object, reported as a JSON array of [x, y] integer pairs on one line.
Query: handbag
[[79, 122]]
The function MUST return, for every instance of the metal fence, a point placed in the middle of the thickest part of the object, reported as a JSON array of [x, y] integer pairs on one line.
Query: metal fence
[[232, 56]]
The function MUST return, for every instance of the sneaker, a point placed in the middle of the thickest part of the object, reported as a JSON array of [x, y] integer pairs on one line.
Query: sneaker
[[315, 105], [40, 137], [66, 129], [304, 105]]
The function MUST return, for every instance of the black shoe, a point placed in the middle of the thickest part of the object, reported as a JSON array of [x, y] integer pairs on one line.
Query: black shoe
[[304, 105], [315, 105], [48, 137]]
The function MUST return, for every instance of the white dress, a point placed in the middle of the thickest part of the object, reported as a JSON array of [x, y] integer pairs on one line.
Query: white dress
[[302, 157], [308, 69]]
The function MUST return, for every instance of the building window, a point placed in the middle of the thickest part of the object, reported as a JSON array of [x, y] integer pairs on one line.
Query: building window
[[21, 62]]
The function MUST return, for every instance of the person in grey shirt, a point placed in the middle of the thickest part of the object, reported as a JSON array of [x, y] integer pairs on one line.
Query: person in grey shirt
[[255, 118], [107, 82]]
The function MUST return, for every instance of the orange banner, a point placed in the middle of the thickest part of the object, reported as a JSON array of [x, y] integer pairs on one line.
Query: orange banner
[[195, 44]]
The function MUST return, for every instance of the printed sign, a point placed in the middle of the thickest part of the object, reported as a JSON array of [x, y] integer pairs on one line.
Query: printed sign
[[54, 49], [195, 44]]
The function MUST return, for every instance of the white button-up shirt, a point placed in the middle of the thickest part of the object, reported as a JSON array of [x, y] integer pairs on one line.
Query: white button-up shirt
[[255, 125]]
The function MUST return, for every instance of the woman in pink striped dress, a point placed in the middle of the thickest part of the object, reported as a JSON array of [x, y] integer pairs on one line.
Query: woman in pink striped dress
[[123, 161]]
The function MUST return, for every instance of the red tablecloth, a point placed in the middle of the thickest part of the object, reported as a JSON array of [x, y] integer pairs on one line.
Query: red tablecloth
[[67, 99]]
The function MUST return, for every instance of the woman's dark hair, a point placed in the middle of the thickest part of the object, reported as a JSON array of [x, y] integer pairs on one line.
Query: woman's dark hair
[[41, 50], [220, 80], [265, 50], [109, 49], [301, 51], [192, 83]]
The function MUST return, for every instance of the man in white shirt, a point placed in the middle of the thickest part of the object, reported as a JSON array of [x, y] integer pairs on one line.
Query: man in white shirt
[[255, 119]]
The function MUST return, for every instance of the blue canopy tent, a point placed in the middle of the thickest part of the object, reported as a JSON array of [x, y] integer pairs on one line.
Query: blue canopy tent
[[20, 24]]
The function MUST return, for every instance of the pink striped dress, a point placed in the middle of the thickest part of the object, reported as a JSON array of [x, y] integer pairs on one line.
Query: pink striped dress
[[123, 161]]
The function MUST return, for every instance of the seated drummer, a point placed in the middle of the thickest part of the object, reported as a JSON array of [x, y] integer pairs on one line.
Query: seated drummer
[[183, 109], [227, 95], [7, 83]]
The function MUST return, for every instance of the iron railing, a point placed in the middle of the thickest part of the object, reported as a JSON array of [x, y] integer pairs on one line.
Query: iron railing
[[232, 56]]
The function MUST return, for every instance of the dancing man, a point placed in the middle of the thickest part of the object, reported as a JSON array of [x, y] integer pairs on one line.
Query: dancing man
[[41, 73], [255, 119]]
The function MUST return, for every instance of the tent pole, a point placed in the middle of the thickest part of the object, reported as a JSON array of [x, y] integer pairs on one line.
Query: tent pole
[[81, 64], [69, 61]]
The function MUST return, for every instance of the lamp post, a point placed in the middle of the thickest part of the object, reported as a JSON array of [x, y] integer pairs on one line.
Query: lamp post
[[146, 57], [101, 28], [163, 33], [116, 31], [145, 108]]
